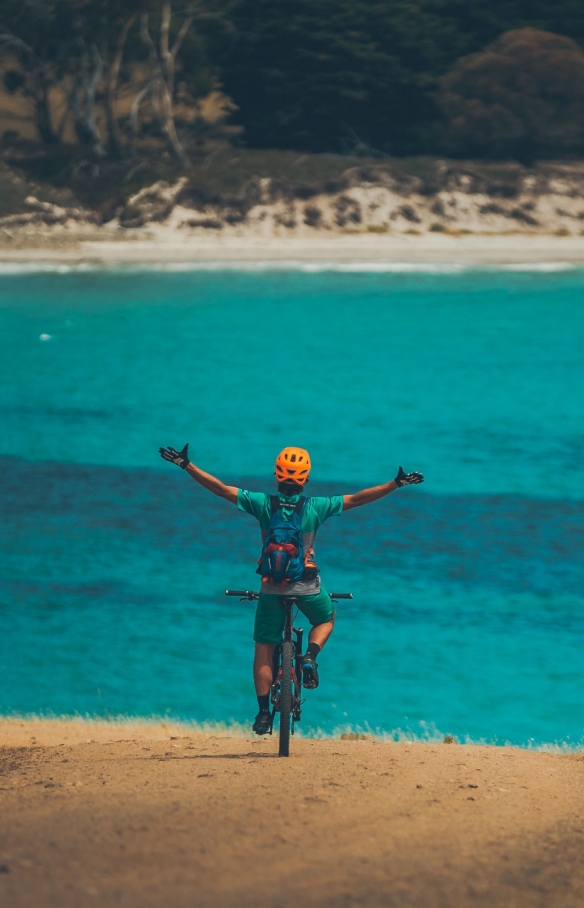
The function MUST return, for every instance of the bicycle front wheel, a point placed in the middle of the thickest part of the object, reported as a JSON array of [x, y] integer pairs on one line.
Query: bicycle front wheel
[[285, 699]]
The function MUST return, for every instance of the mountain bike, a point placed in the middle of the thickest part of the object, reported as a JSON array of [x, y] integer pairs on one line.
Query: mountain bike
[[286, 690]]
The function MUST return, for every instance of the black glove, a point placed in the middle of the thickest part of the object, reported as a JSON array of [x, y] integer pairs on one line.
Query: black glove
[[180, 458], [407, 479]]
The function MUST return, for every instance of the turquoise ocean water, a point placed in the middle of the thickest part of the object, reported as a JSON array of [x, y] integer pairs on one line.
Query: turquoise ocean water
[[468, 614]]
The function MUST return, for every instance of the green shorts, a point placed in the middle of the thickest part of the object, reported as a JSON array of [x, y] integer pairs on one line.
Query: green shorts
[[270, 616]]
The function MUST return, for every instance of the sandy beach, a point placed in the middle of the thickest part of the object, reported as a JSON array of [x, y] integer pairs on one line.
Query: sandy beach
[[159, 244], [156, 815]]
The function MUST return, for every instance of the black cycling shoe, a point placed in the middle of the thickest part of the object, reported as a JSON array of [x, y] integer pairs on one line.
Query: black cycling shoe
[[263, 722], [309, 673]]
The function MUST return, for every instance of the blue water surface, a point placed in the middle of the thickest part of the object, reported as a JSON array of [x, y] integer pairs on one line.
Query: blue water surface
[[468, 612]]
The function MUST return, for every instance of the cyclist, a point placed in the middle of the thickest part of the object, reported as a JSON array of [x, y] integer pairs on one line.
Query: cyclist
[[292, 470]]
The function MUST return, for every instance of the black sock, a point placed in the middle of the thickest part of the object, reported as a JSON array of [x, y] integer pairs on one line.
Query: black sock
[[313, 649], [264, 702]]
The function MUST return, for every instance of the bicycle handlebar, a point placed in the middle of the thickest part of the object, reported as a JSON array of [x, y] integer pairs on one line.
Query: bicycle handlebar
[[249, 594]]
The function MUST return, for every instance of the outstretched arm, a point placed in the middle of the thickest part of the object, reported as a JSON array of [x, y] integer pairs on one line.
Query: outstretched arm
[[181, 459], [369, 495]]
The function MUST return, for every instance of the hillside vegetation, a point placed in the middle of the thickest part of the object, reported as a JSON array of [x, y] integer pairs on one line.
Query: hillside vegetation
[[281, 192], [351, 115], [117, 78]]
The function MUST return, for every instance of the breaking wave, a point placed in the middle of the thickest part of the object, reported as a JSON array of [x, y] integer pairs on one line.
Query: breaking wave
[[9, 269]]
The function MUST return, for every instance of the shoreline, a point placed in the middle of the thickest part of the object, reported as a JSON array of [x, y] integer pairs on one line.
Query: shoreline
[[148, 815], [21, 730], [164, 246]]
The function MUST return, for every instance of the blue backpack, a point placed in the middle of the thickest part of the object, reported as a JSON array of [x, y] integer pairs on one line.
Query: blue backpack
[[282, 557]]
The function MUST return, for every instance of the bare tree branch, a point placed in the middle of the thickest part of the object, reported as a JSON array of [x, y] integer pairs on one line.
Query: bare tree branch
[[134, 114], [82, 99], [163, 66], [164, 29], [145, 35], [115, 137], [181, 35]]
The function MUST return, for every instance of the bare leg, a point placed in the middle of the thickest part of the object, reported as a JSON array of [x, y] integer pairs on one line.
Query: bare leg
[[262, 668], [316, 640], [264, 652], [321, 632]]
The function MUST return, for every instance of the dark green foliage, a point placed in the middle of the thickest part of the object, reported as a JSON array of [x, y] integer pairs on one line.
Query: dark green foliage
[[362, 75], [13, 81], [333, 75], [12, 193], [345, 76], [478, 22]]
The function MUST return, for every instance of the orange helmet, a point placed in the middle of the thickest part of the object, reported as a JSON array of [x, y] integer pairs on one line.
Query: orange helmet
[[294, 464]]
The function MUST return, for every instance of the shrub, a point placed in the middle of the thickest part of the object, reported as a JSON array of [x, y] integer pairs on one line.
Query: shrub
[[312, 216], [409, 213], [522, 96], [348, 211]]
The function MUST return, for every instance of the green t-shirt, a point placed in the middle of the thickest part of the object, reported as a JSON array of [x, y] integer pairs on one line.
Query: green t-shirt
[[316, 511]]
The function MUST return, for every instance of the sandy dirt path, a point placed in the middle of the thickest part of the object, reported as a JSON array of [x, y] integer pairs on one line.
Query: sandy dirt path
[[98, 815]]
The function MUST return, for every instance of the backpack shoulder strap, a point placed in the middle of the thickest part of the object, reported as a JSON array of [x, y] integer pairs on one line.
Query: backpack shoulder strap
[[299, 506]]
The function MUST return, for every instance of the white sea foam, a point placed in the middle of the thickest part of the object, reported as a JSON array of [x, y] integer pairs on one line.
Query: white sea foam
[[540, 266], [10, 268], [386, 267], [307, 267], [17, 268], [310, 267], [354, 267]]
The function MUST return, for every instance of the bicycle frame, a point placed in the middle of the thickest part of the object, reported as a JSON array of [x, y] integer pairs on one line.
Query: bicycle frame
[[286, 687]]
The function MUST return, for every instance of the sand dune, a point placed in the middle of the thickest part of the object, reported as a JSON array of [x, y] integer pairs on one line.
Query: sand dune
[[105, 814]]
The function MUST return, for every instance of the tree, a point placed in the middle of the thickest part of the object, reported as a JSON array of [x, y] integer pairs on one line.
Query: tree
[[81, 96], [34, 82], [477, 23], [332, 75], [359, 76], [27, 37], [115, 136], [522, 96], [66, 43], [91, 61], [162, 60], [163, 67]]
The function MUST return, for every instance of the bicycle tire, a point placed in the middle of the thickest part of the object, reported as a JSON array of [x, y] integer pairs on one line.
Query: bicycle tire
[[285, 699]]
